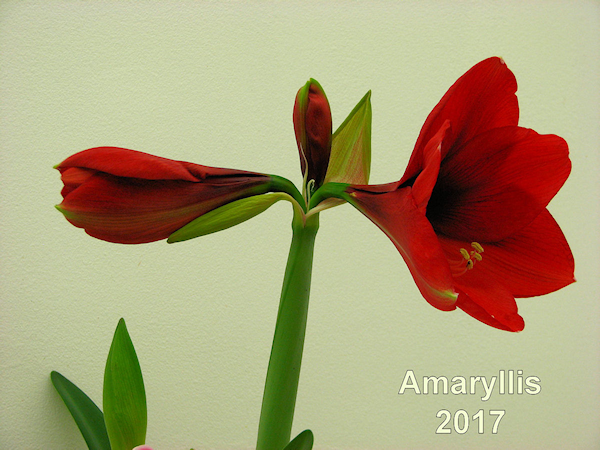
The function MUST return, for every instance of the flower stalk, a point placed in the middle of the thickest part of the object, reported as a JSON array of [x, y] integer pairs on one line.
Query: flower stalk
[[281, 386]]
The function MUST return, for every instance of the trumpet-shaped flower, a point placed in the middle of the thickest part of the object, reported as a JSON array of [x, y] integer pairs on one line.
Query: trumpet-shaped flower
[[469, 215]]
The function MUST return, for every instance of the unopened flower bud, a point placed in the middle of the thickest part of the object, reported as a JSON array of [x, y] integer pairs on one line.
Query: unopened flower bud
[[312, 124]]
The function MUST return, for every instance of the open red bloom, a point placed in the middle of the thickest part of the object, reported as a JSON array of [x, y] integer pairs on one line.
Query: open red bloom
[[131, 197], [469, 215]]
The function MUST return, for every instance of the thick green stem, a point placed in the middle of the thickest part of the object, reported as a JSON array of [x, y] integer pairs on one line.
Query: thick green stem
[[281, 386]]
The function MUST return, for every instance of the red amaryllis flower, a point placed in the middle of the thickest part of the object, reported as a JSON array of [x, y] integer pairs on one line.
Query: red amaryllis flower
[[131, 197], [469, 215]]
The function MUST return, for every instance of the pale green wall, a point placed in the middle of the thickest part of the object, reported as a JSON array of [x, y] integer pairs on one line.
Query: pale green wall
[[214, 83]]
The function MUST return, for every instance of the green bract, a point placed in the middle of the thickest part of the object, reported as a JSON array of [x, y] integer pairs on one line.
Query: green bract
[[350, 159], [227, 216]]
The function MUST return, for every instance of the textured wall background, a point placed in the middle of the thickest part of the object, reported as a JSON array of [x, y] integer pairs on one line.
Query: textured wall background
[[214, 83]]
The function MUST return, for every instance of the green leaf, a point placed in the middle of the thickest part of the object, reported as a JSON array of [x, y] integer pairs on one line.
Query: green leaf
[[350, 159], [227, 216], [304, 441], [86, 414], [124, 397]]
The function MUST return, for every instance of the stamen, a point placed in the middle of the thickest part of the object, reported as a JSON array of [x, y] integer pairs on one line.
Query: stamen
[[465, 254], [469, 259], [477, 247]]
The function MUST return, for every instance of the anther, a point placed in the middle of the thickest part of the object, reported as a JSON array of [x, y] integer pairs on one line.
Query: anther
[[477, 247], [469, 258]]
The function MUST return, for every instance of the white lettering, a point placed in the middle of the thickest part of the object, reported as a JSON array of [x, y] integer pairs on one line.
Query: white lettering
[[409, 377], [474, 381], [533, 386], [436, 383], [459, 385], [488, 388], [507, 382]]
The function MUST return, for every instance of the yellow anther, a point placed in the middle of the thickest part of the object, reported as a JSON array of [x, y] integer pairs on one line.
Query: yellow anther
[[477, 246], [469, 258]]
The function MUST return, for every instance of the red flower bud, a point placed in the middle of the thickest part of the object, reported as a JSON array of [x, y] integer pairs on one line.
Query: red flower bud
[[130, 197], [312, 124]]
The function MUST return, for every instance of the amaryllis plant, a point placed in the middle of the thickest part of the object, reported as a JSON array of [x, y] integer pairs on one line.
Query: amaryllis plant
[[468, 216]]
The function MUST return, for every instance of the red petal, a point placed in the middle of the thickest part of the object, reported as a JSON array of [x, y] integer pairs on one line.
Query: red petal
[[427, 179], [497, 184], [535, 261], [482, 99], [474, 310], [397, 215], [496, 304], [73, 177], [130, 163], [133, 211], [318, 133]]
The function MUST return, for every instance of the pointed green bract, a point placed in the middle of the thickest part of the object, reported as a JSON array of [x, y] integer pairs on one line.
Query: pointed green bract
[[350, 160], [86, 414], [124, 397], [304, 441], [227, 216]]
